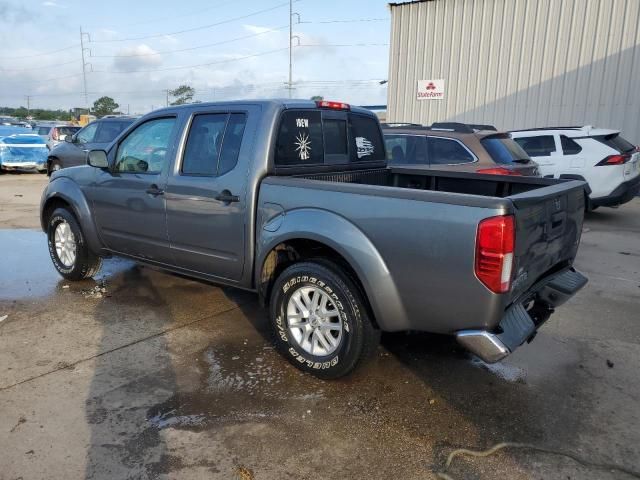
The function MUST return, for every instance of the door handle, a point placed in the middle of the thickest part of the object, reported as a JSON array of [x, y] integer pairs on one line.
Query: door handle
[[226, 197], [154, 191]]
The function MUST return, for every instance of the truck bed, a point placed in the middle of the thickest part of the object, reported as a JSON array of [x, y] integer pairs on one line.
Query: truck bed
[[424, 224]]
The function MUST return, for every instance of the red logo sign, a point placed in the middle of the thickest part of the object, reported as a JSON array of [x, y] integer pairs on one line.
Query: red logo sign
[[431, 86]]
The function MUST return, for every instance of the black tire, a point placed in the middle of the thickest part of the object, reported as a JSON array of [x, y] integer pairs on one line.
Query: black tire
[[54, 166], [359, 338], [86, 264]]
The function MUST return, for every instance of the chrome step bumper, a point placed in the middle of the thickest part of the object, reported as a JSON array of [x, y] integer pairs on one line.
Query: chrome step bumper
[[517, 326]]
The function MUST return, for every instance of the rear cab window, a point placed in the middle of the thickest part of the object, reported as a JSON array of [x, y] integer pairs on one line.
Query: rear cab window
[[504, 150], [319, 137]]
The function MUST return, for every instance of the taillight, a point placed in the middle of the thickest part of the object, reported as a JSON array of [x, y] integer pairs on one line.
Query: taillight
[[333, 105], [494, 252], [498, 171], [614, 160], [54, 134]]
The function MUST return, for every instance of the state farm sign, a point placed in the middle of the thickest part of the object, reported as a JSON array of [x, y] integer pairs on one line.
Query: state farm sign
[[431, 89]]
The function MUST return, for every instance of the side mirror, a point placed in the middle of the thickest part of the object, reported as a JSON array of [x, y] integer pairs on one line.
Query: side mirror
[[98, 159], [68, 138]]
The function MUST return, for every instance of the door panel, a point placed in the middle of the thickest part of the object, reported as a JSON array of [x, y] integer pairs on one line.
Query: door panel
[[206, 204], [129, 199]]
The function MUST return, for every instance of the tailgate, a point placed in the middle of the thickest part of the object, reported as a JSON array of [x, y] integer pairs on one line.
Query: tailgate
[[548, 230]]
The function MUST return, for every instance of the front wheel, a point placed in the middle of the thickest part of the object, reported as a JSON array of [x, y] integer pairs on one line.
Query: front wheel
[[320, 320], [68, 249]]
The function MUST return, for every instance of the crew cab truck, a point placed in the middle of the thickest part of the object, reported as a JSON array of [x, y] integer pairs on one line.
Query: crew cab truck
[[294, 200]]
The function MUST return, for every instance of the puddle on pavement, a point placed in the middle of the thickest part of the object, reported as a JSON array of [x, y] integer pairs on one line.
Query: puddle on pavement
[[237, 384], [26, 270]]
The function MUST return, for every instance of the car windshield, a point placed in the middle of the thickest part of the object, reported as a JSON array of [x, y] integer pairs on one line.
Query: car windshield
[[504, 150], [43, 130], [616, 142], [64, 130]]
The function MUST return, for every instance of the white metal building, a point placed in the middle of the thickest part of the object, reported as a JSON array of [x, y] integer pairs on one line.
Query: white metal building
[[516, 63]]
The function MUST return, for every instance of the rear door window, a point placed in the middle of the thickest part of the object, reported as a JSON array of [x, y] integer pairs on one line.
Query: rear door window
[[203, 144], [504, 150], [539, 146], [569, 146], [406, 149], [444, 151], [231, 143], [300, 139]]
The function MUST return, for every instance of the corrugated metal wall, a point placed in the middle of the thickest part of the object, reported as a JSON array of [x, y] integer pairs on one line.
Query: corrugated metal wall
[[518, 63]]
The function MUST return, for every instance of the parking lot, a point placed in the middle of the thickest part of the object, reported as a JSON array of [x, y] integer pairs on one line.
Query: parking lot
[[144, 374]]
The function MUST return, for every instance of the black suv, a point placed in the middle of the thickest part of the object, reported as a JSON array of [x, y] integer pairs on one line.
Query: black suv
[[98, 134]]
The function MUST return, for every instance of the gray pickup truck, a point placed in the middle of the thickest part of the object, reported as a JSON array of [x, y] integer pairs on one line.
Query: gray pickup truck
[[294, 200]]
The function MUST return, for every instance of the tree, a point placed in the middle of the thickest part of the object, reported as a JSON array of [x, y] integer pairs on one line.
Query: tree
[[104, 106], [317, 98], [183, 94]]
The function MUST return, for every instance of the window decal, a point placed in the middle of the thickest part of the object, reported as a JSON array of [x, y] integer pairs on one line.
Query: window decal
[[303, 145], [302, 122], [364, 146]]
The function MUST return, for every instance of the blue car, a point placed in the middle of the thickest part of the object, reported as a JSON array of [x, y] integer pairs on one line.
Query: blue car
[[22, 150]]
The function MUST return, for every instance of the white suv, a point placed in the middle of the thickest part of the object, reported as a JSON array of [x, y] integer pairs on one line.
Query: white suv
[[608, 162]]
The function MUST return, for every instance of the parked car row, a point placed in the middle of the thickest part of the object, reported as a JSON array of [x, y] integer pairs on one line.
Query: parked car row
[[601, 157], [73, 150]]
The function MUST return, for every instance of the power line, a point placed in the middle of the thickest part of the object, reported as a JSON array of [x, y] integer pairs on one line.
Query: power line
[[193, 48], [41, 54], [202, 27], [4, 70], [197, 65], [345, 45], [353, 20], [195, 12]]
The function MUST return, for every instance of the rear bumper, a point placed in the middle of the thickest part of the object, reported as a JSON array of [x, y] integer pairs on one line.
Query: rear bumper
[[519, 324], [25, 167], [622, 194]]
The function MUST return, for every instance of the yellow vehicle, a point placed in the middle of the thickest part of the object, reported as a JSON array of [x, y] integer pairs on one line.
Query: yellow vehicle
[[85, 120]]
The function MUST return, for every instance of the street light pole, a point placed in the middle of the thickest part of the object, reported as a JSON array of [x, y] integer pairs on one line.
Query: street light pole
[[290, 46]]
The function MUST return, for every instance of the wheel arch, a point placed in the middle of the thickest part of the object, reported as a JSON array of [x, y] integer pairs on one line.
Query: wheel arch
[[63, 193], [313, 233]]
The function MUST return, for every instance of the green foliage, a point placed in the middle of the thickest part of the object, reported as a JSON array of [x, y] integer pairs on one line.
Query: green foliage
[[183, 94], [36, 113], [317, 98], [104, 106]]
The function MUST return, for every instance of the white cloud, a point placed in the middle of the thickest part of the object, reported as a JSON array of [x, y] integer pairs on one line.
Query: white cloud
[[139, 57], [50, 3]]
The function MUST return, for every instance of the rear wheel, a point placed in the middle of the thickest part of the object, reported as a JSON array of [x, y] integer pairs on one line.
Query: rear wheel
[[68, 249], [320, 320]]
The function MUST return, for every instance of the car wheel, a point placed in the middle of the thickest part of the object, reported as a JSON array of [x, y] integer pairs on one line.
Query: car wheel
[[320, 319], [68, 249], [55, 165]]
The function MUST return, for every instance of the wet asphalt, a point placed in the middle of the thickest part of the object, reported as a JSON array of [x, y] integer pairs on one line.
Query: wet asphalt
[[144, 374]]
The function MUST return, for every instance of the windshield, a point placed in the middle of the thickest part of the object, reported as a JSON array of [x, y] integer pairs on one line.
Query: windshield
[[67, 130], [43, 130], [616, 142], [504, 150]]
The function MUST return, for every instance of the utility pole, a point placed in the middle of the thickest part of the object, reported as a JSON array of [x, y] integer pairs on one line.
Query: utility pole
[[28, 97], [291, 37], [84, 67], [290, 47], [167, 92]]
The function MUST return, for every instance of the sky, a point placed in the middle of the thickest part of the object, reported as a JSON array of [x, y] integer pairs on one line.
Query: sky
[[225, 49]]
